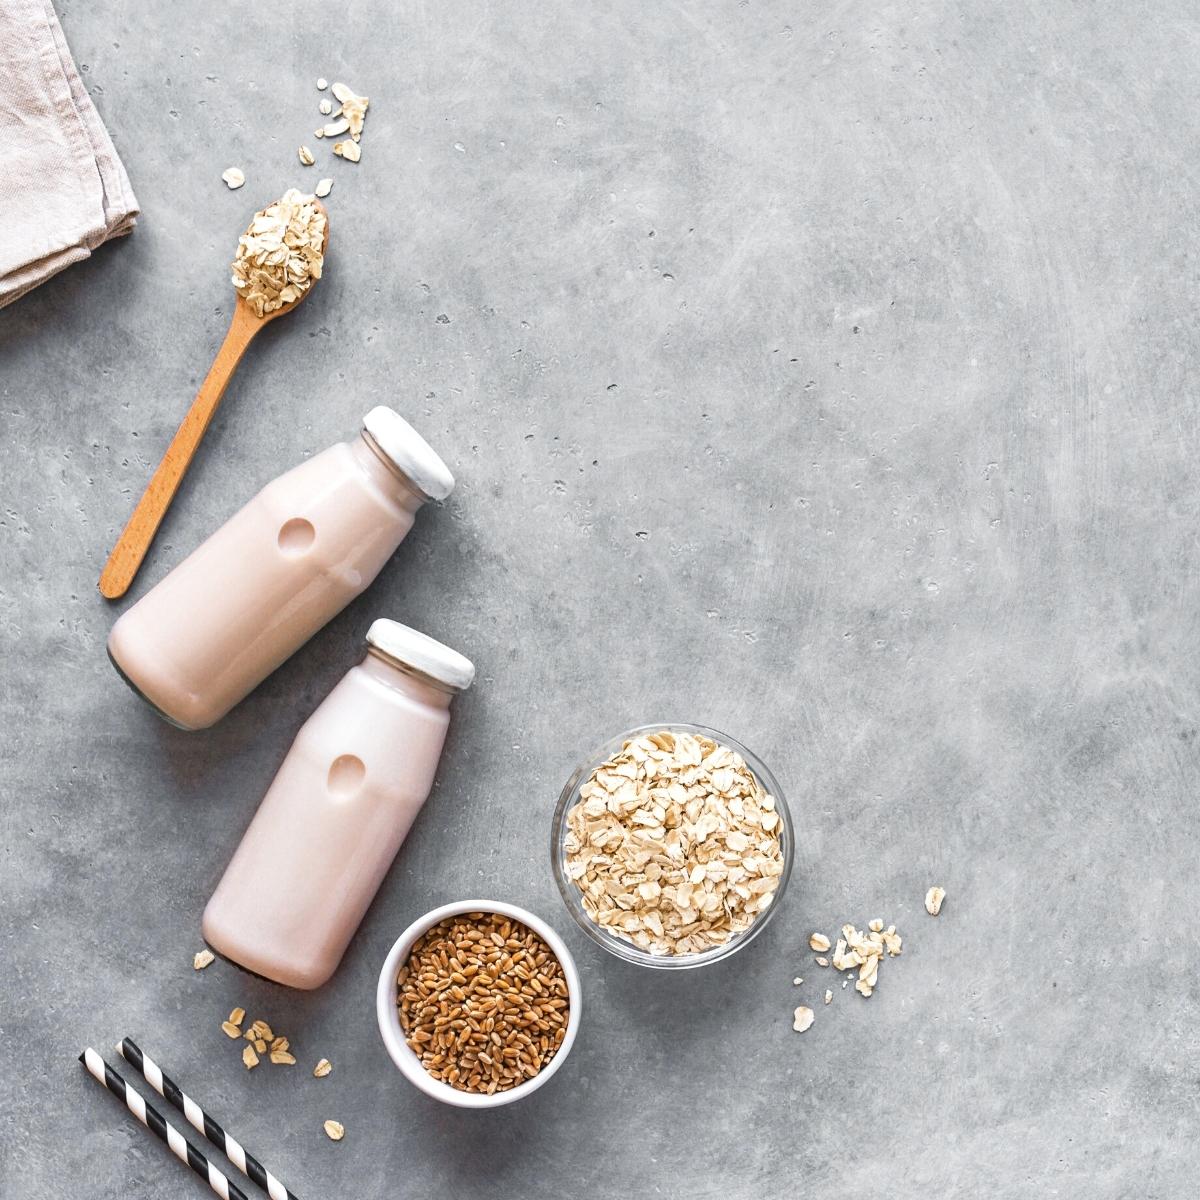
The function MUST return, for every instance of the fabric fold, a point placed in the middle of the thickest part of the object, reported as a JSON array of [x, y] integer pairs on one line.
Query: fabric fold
[[66, 190]]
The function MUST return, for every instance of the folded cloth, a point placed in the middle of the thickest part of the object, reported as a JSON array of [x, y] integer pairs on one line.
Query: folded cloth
[[65, 191]]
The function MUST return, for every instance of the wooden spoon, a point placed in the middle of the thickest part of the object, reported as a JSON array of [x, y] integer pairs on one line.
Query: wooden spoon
[[139, 531]]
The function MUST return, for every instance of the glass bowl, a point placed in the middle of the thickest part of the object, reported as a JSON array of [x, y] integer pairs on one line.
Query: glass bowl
[[573, 897]]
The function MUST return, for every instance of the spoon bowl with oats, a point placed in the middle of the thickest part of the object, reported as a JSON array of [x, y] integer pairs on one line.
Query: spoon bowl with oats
[[278, 260]]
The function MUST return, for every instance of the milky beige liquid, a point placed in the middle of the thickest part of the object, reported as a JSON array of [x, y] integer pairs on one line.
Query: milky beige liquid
[[264, 583], [330, 825]]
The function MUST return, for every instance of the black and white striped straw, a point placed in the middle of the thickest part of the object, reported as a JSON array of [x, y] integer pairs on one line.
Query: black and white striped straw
[[170, 1091], [160, 1127]]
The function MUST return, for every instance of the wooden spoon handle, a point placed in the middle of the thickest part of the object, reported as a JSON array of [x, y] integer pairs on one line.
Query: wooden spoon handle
[[139, 531]]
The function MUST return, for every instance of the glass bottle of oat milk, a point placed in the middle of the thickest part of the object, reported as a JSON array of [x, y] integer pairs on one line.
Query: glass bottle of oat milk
[[337, 812], [291, 559]]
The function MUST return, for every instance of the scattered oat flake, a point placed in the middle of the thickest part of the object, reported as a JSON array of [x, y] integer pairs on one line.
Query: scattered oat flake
[[933, 900], [322, 84], [323, 188], [237, 1016], [322, 1068], [802, 1018], [860, 953], [326, 107], [335, 1130], [249, 1058], [350, 151], [233, 177], [353, 108], [202, 958], [797, 981], [333, 128], [282, 1058], [819, 942], [230, 1029], [306, 156]]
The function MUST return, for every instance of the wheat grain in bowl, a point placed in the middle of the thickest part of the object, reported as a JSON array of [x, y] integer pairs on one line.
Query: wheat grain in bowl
[[478, 1003], [483, 1002], [671, 845]]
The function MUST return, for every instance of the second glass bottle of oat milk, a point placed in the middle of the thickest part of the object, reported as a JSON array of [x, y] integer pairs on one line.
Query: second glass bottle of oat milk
[[251, 595], [336, 813]]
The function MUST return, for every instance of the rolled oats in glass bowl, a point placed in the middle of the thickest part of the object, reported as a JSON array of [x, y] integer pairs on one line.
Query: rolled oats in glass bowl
[[672, 845]]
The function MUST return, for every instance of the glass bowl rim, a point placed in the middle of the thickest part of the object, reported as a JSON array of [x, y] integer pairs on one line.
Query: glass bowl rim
[[571, 895]]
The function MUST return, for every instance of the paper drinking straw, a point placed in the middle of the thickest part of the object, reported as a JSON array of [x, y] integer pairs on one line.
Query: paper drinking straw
[[157, 1124], [170, 1091]]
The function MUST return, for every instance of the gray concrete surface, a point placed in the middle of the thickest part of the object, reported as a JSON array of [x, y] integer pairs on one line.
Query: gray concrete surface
[[824, 373]]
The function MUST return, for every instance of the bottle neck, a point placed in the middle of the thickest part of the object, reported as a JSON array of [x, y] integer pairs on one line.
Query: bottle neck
[[386, 475], [391, 672]]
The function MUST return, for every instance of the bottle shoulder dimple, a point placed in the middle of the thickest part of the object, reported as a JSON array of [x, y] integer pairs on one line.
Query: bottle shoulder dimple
[[367, 717], [334, 486], [331, 470]]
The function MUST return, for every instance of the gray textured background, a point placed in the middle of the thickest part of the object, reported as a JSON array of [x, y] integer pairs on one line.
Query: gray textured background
[[821, 372]]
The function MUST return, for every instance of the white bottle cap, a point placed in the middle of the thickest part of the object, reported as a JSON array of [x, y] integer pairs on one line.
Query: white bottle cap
[[411, 453], [421, 652]]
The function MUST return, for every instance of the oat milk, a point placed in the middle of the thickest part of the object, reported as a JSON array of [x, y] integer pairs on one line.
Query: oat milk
[[275, 572], [332, 821]]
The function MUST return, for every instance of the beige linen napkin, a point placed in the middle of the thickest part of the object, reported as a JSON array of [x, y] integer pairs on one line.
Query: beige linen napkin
[[63, 190]]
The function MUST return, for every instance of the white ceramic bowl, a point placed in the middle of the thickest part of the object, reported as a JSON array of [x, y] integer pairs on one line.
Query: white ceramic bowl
[[389, 1014]]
